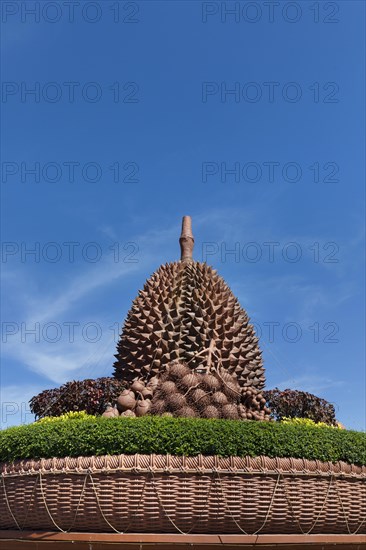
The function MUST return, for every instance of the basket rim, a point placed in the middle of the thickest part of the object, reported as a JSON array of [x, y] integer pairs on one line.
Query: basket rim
[[200, 464]]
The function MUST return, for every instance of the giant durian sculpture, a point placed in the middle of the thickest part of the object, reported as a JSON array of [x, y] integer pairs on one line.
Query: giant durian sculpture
[[187, 318]]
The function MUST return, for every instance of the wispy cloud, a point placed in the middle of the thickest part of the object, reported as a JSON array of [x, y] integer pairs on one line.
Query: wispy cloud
[[15, 404], [64, 359], [311, 384]]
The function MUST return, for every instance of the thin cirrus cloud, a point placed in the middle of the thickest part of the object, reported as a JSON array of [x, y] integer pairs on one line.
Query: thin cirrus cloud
[[310, 384], [15, 404], [60, 360]]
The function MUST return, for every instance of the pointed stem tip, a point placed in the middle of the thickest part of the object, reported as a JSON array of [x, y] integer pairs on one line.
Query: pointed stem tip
[[186, 240]]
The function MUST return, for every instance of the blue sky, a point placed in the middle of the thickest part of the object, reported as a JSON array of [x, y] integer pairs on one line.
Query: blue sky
[[251, 122]]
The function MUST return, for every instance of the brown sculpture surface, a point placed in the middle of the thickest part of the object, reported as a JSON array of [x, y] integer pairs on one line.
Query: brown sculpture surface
[[187, 314]]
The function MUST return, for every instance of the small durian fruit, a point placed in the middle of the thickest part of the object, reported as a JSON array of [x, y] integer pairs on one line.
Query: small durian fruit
[[188, 381], [186, 412], [168, 388], [211, 412], [143, 407], [176, 401], [247, 396], [128, 413], [158, 406], [110, 411], [230, 411], [153, 383], [211, 382], [232, 390], [225, 376], [219, 398], [147, 393], [177, 370], [242, 411], [199, 398], [137, 386], [126, 401]]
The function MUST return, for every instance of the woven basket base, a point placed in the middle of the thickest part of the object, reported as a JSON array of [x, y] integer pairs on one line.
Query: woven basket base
[[164, 494]]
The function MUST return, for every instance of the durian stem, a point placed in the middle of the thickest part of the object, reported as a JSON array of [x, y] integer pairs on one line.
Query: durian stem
[[186, 240]]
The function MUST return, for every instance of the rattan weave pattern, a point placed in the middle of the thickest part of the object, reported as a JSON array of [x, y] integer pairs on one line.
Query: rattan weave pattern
[[204, 494]]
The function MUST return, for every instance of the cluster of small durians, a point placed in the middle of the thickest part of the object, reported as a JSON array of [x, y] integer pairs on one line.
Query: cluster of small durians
[[182, 392]]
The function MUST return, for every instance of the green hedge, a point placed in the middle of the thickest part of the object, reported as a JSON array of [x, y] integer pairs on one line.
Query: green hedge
[[180, 436]]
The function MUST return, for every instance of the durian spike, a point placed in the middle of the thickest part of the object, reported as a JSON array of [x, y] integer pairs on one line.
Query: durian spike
[[186, 240]]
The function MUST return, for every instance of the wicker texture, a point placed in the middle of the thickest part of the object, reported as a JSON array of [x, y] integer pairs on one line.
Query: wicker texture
[[166, 494]]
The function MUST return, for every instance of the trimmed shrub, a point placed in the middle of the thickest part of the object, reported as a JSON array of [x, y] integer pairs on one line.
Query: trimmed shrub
[[299, 404], [87, 395], [180, 436]]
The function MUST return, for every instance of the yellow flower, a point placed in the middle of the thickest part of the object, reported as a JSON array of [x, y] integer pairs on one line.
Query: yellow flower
[[72, 415], [307, 422]]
